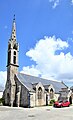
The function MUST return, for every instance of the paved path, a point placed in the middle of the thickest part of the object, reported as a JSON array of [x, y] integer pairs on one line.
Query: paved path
[[37, 113]]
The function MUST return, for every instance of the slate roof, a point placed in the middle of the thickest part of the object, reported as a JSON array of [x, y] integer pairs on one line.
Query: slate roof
[[71, 87], [29, 80]]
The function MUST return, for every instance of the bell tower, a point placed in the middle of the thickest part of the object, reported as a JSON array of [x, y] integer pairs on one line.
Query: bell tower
[[12, 65], [13, 47]]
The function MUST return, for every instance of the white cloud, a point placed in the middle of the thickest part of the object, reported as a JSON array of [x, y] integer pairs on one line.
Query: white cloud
[[49, 64], [3, 77], [31, 70], [72, 2], [55, 3]]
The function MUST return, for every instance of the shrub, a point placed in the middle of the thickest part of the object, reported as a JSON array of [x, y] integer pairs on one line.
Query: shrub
[[52, 101], [1, 101], [50, 104]]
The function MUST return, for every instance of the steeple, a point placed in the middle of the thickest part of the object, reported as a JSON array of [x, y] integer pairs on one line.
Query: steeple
[[13, 47], [13, 34], [12, 66]]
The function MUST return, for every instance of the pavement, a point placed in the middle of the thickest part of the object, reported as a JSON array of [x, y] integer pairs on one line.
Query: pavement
[[37, 113]]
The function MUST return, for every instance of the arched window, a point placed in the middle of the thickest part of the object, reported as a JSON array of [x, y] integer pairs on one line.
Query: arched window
[[51, 93], [14, 52], [15, 47], [51, 90], [39, 93], [14, 58]]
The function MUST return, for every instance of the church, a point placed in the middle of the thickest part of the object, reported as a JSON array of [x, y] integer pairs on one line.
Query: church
[[26, 90]]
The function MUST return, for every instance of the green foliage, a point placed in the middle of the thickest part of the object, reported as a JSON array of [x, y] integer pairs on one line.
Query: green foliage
[[1, 101], [50, 104], [52, 101]]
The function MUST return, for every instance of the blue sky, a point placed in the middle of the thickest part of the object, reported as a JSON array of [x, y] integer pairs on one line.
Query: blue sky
[[36, 19]]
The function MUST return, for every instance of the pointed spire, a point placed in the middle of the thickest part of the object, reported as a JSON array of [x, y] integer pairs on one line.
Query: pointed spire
[[13, 34]]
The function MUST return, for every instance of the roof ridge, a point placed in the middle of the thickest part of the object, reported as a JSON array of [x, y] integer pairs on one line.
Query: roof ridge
[[39, 77]]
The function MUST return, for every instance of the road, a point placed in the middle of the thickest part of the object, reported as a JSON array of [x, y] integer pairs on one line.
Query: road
[[37, 113]]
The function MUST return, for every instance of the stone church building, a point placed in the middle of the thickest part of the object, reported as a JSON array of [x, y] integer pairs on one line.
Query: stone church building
[[26, 90]]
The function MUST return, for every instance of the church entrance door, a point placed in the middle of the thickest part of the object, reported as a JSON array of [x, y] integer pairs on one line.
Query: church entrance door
[[46, 99], [70, 100], [8, 99]]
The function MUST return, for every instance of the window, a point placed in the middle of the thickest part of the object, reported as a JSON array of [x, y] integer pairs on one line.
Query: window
[[51, 93], [14, 52], [15, 47], [39, 93], [14, 60], [51, 90]]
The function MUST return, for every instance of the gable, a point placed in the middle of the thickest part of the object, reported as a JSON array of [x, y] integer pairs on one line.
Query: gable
[[28, 86]]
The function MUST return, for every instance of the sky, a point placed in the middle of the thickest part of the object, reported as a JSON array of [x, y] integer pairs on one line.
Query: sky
[[44, 30]]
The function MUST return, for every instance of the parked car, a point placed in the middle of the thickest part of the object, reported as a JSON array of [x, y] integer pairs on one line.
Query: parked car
[[62, 104]]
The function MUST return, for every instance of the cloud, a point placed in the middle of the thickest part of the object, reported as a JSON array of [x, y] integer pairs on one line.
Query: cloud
[[55, 3], [31, 70], [72, 2], [51, 61], [3, 77]]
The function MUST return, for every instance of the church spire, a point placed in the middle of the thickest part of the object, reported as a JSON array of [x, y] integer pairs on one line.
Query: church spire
[[13, 47], [13, 34]]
